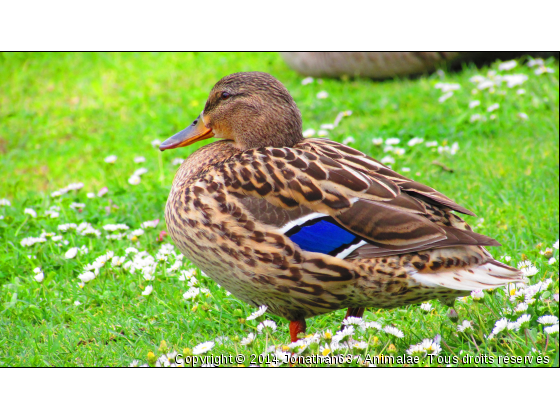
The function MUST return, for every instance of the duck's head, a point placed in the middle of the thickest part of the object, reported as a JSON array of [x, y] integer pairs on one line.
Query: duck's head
[[251, 109]]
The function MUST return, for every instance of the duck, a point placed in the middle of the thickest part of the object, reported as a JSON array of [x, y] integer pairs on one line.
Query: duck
[[308, 226]]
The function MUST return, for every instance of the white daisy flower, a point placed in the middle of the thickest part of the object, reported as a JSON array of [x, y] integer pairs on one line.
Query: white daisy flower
[[86, 276], [359, 345], [535, 62], [392, 141], [76, 206], [248, 340], [114, 227], [52, 213], [259, 312], [150, 224], [325, 350], [31, 241], [39, 276], [475, 117], [111, 159], [203, 347], [414, 141], [500, 325], [267, 325], [71, 253], [551, 330], [323, 133], [552, 261], [445, 97], [426, 306], [140, 172], [177, 161], [5, 202], [388, 160], [543, 70], [416, 350], [90, 231], [117, 261], [465, 326], [523, 321], [307, 81], [522, 116], [30, 212], [77, 303], [393, 331], [507, 65], [373, 324], [555, 245], [432, 144], [147, 290], [191, 293], [353, 320], [134, 180], [405, 169], [327, 127], [430, 346], [473, 104], [527, 268], [548, 320], [447, 87], [343, 335], [348, 140], [156, 143], [388, 148], [308, 133], [139, 159], [493, 107], [477, 295], [377, 141], [322, 95], [187, 275], [521, 307]]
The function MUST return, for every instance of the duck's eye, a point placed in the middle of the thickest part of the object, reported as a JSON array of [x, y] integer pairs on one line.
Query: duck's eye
[[225, 95]]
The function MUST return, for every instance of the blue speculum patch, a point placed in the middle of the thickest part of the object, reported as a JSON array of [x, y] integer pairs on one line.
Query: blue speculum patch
[[322, 236]]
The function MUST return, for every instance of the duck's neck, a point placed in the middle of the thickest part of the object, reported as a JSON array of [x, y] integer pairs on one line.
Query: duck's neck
[[281, 128]]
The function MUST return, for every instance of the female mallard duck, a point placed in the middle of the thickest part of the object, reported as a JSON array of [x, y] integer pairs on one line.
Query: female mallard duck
[[309, 226]]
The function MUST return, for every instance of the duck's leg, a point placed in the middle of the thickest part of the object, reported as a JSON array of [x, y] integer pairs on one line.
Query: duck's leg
[[356, 312], [297, 327]]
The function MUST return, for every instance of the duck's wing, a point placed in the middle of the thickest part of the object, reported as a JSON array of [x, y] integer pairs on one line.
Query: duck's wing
[[330, 207], [363, 163]]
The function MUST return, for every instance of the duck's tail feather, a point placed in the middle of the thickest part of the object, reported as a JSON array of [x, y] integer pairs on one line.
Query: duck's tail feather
[[489, 275]]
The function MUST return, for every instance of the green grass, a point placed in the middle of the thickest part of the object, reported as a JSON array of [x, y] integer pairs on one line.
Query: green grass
[[62, 114]]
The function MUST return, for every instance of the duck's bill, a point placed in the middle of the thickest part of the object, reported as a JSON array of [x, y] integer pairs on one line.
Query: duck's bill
[[193, 133]]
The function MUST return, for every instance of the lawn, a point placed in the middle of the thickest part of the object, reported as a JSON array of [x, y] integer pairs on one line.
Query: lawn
[[81, 175]]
